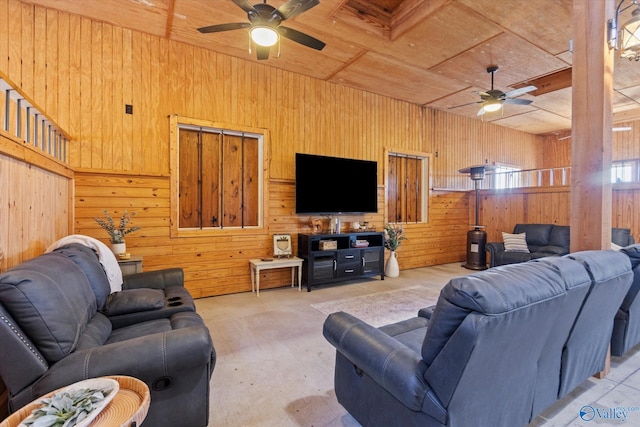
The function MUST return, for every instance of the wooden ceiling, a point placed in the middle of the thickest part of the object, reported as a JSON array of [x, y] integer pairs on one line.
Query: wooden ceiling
[[428, 52]]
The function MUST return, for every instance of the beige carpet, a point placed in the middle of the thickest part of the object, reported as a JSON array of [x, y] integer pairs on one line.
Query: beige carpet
[[383, 308]]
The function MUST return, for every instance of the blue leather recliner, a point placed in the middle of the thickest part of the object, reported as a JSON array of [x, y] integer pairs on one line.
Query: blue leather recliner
[[60, 324], [500, 347]]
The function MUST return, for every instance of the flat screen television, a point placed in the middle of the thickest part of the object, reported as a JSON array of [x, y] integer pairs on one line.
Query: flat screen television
[[334, 185]]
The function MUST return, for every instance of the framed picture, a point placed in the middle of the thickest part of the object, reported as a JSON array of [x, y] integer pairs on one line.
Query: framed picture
[[282, 245]]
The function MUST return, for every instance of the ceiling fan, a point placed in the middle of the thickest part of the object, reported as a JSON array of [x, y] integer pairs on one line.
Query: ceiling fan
[[493, 99], [264, 25]]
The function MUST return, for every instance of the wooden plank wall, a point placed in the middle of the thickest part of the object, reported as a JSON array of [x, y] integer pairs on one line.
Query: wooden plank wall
[[84, 72], [502, 210], [459, 142], [35, 209], [625, 145]]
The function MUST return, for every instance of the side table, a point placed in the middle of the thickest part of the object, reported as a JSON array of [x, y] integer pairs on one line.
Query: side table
[[130, 265], [128, 408], [258, 264]]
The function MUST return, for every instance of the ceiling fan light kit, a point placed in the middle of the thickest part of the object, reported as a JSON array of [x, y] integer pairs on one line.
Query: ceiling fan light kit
[[264, 36], [264, 25], [626, 38], [492, 106]]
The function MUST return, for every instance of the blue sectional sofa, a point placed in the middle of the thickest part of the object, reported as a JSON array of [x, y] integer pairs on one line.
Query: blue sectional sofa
[[545, 240], [500, 346], [59, 324]]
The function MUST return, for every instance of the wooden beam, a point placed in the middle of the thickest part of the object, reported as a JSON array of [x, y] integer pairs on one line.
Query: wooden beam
[[549, 83], [170, 15], [627, 116], [592, 101]]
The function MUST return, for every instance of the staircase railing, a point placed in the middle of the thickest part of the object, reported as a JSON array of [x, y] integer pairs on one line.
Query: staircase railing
[[548, 177], [24, 120]]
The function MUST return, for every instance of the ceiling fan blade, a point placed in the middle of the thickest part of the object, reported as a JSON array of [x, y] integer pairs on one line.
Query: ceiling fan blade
[[518, 101], [224, 27], [464, 105], [517, 92], [301, 38], [296, 7], [262, 52], [244, 5], [481, 111]]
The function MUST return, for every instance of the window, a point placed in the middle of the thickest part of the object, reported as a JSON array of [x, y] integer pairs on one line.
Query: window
[[623, 171], [506, 177], [217, 181], [407, 187]]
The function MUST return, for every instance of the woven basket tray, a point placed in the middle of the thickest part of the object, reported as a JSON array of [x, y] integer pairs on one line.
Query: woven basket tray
[[128, 406]]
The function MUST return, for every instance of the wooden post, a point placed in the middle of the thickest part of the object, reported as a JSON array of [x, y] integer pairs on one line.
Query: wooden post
[[591, 126], [592, 94]]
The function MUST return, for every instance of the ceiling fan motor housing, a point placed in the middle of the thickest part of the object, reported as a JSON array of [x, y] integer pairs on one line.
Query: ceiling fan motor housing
[[266, 14]]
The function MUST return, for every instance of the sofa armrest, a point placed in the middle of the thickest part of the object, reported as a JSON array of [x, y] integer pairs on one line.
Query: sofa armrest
[[151, 359], [427, 312], [493, 248], [391, 364], [158, 279]]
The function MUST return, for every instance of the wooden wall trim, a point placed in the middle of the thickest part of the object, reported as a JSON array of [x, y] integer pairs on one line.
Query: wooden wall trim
[[526, 190], [20, 150], [101, 172]]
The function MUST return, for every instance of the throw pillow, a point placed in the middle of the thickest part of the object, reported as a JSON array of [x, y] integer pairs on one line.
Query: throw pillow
[[515, 242]]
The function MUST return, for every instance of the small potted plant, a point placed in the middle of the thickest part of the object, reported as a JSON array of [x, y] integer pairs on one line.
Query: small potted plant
[[116, 234], [392, 239]]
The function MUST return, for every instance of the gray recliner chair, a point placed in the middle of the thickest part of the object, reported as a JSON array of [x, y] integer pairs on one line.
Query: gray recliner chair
[[500, 346], [475, 363], [587, 347], [144, 296], [53, 335]]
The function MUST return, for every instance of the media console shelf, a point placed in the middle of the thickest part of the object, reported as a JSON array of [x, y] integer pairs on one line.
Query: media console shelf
[[342, 257]]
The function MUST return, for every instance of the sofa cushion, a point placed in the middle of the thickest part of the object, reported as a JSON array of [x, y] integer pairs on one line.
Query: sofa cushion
[[51, 300], [621, 236], [133, 300], [498, 321], [552, 250], [515, 242], [560, 236], [96, 333], [489, 292], [537, 234], [503, 257], [409, 332], [587, 347]]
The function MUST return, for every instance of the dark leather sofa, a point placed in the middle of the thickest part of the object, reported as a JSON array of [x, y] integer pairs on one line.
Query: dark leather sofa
[[626, 329], [501, 345], [545, 240], [60, 324]]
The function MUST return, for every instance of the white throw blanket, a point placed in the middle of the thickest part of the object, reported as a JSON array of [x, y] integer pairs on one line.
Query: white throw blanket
[[105, 256]]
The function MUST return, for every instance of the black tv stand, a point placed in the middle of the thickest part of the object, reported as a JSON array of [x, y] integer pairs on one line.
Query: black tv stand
[[343, 260]]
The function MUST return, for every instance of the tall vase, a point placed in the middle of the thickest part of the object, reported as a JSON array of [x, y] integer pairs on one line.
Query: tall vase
[[118, 248], [392, 269]]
